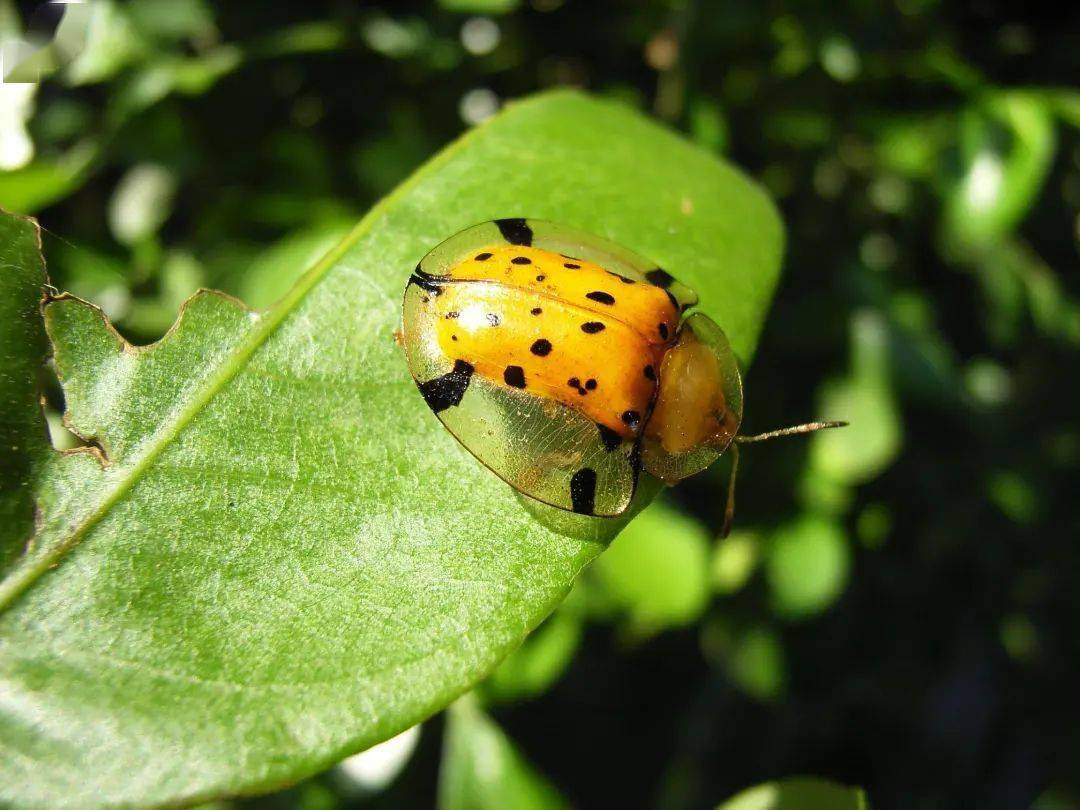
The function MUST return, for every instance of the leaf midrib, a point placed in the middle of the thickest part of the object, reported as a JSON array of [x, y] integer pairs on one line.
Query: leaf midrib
[[24, 576]]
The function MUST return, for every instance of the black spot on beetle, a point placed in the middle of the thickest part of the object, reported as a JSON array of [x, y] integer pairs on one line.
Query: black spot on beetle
[[453, 337], [535, 311], [452, 314], [601, 297], [575, 383], [610, 438], [623, 279], [571, 266], [660, 277], [446, 390], [541, 277], [426, 281], [516, 231], [493, 319], [662, 328], [482, 257], [592, 327], [583, 491], [514, 376], [650, 373], [521, 260], [590, 384], [631, 419], [541, 347]]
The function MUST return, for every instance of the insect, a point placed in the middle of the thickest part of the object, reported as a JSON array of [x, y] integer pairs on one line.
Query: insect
[[567, 364]]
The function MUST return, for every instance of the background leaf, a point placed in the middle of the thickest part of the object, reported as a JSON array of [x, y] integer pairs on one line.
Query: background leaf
[[482, 769], [286, 559], [734, 559], [479, 6], [798, 793], [864, 397], [1006, 148], [278, 267], [43, 182], [657, 571], [807, 566], [751, 657], [534, 666]]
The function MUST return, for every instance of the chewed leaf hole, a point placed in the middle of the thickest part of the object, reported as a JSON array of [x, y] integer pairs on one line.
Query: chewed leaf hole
[[52, 406]]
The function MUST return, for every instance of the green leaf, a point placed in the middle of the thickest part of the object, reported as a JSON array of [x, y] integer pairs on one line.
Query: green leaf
[[10, 23], [537, 664], [285, 559], [911, 145], [172, 20], [798, 793], [865, 399], [657, 571], [276, 269], [733, 561], [807, 566], [752, 657], [23, 348], [141, 202], [1007, 147], [482, 769], [1066, 105], [110, 43], [168, 73], [480, 6], [44, 181]]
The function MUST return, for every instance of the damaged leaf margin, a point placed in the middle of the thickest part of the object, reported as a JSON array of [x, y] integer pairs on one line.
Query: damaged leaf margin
[[88, 351]]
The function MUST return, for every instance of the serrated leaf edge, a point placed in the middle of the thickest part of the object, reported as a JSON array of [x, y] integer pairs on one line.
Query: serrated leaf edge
[[23, 576]]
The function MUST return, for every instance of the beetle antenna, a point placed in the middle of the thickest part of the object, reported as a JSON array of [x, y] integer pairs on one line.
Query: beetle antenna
[[794, 430], [729, 509]]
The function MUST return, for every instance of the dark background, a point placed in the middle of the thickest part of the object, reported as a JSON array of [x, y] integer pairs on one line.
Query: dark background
[[926, 159]]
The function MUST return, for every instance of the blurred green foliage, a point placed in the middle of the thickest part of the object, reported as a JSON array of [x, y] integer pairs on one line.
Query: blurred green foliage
[[897, 606], [482, 769], [797, 794]]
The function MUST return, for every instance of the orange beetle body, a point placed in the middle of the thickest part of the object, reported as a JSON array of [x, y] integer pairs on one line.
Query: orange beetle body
[[560, 327], [565, 363]]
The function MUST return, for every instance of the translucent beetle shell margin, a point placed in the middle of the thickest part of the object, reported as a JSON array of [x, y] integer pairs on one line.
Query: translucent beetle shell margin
[[566, 364]]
